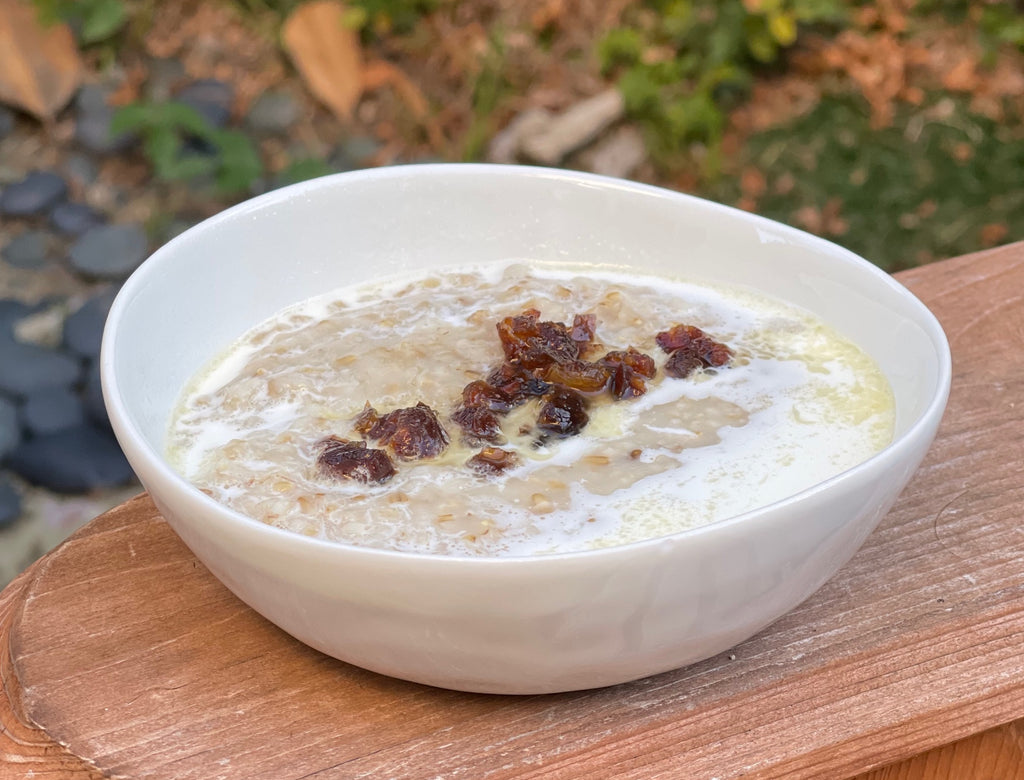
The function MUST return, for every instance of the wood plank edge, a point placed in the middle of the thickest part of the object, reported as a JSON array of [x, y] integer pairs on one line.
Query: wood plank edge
[[26, 749]]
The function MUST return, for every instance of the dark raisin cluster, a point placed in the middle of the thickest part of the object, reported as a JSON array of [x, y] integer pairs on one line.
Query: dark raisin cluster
[[543, 359]]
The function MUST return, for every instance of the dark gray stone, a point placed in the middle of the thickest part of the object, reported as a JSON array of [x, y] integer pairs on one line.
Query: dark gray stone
[[92, 129], [10, 429], [10, 502], [109, 251], [75, 460], [353, 153], [30, 249], [6, 121], [11, 311], [92, 397], [34, 194], [51, 410], [273, 112], [361, 147], [91, 97], [81, 169], [210, 98], [83, 330], [165, 75], [28, 368], [74, 219]]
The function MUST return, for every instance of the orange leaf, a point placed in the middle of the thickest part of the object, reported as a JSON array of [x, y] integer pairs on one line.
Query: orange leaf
[[962, 77], [40, 68], [993, 233], [326, 53]]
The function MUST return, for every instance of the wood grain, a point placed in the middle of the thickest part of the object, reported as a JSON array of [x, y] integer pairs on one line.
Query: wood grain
[[997, 754], [126, 650]]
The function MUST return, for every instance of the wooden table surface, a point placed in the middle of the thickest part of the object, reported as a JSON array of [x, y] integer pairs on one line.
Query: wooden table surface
[[121, 656]]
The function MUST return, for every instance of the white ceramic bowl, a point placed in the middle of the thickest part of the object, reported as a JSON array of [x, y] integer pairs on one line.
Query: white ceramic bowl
[[513, 625]]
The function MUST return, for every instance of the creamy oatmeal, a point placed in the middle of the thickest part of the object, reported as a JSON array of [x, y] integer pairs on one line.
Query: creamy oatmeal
[[795, 404]]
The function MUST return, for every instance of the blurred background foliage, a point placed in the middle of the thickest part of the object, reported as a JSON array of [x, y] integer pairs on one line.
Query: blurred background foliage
[[892, 127]]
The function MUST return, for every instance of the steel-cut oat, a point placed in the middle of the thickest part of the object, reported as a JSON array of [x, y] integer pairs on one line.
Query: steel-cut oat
[[797, 404]]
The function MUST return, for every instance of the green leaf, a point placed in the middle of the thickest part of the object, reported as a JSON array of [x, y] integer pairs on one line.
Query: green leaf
[[184, 118], [240, 164], [131, 118], [102, 18], [621, 46], [190, 166], [304, 169], [162, 146], [782, 27]]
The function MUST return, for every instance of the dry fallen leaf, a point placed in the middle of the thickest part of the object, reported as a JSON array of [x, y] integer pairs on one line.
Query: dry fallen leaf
[[326, 53], [40, 69], [380, 73], [993, 233]]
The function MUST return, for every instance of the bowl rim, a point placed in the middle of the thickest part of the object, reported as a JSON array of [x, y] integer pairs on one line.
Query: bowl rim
[[130, 436]]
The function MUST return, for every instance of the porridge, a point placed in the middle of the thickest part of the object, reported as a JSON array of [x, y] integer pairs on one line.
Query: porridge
[[605, 408]]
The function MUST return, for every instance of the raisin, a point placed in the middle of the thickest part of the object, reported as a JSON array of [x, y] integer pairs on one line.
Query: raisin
[[564, 412], [626, 383], [582, 331], [634, 358], [366, 419], [516, 383], [678, 337], [344, 459], [536, 344], [516, 333], [480, 395], [691, 348], [411, 433], [682, 363], [478, 423], [579, 375], [717, 354], [492, 460]]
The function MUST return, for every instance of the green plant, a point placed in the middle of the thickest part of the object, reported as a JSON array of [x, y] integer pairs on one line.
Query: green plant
[[1001, 22], [171, 131], [682, 63], [898, 203], [489, 86], [303, 169], [383, 16], [96, 20], [371, 16]]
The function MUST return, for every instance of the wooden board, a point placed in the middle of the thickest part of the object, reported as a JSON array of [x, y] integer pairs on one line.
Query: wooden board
[[121, 649]]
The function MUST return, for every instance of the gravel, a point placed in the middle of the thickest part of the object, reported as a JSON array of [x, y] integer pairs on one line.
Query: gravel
[[109, 251], [273, 112], [211, 98], [12, 310], [83, 330], [92, 130], [92, 397], [10, 430], [51, 410], [30, 249], [28, 368], [33, 195], [10, 502], [74, 219], [81, 169], [353, 153], [75, 460]]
